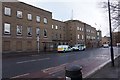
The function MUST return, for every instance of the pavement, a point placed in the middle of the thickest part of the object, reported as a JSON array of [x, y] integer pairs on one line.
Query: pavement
[[107, 72]]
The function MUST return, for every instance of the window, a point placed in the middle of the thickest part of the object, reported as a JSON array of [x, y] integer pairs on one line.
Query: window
[[38, 31], [52, 26], [45, 20], [6, 28], [29, 16], [19, 30], [56, 27], [77, 28], [7, 11], [29, 31], [82, 37], [45, 33], [98, 33], [19, 14], [80, 29], [38, 18], [78, 36]]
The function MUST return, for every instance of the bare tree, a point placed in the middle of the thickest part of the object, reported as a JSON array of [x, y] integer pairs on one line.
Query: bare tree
[[115, 12]]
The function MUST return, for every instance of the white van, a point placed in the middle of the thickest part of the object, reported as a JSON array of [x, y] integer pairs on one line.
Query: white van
[[64, 48], [79, 47]]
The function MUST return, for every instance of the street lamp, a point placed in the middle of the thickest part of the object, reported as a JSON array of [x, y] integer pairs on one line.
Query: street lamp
[[38, 39], [111, 46]]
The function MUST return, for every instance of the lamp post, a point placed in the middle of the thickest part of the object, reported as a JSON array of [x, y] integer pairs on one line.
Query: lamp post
[[38, 39], [111, 46]]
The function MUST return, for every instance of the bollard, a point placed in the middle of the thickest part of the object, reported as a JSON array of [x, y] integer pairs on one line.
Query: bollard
[[73, 73]]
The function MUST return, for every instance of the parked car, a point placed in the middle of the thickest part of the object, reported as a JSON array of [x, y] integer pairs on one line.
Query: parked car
[[64, 48], [105, 45], [79, 47], [118, 44]]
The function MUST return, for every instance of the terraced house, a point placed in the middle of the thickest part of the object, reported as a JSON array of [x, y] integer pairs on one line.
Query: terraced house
[[24, 27]]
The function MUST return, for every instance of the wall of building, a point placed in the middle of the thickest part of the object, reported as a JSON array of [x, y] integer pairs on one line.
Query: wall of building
[[13, 42], [70, 32]]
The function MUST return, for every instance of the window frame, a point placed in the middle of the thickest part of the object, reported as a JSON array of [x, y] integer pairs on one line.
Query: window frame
[[29, 29], [21, 13], [7, 13], [17, 29], [45, 30], [29, 16], [38, 19], [37, 32], [9, 32], [45, 20]]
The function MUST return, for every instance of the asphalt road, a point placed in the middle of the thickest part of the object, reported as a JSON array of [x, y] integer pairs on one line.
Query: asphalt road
[[53, 63]]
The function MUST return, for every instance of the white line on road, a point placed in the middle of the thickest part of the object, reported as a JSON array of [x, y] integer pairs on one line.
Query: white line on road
[[32, 60], [20, 75], [67, 55]]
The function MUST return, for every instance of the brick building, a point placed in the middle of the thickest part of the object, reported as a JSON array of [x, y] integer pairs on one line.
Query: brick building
[[24, 27]]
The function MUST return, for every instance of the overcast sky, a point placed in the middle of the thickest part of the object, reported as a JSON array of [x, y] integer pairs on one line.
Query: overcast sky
[[88, 11]]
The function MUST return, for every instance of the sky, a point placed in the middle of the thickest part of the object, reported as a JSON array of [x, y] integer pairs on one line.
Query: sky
[[88, 11]]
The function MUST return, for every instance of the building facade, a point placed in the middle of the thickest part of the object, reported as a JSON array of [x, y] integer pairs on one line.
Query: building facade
[[26, 28], [75, 32], [22, 23]]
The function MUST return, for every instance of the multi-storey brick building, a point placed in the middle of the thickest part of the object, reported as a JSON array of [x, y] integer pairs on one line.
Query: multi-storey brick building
[[90, 36], [75, 32], [21, 25], [27, 28]]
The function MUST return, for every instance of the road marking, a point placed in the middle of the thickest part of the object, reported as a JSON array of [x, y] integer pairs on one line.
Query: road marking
[[32, 60], [56, 69], [67, 55], [20, 75]]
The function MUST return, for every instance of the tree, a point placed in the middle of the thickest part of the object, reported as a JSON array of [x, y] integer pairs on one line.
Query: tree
[[115, 12]]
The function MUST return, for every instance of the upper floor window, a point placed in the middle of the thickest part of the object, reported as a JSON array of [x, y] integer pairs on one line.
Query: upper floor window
[[6, 28], [82, 37], [56, 27], [38, 18], [77, 28], [29, 31], [7, 11], [82, 29], [78, 36], [19, 14], [19, 30], [98, 33], [52, 26], [45, 20], [29, 16], [45, 33], [38, 31]]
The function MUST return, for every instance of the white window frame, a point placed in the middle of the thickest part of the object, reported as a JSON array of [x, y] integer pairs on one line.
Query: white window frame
[[52, 26], [45, 20], [19, 30], [19, 14], [29, 16], [7, 26], [38, 31], [56, 27], [29, 30], [78, 36], [82, 36], [45, 30], [77, 28], [7, 11], [38, 18]]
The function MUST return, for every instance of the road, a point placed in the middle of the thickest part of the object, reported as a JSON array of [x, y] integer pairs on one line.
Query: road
[[53, 65]]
